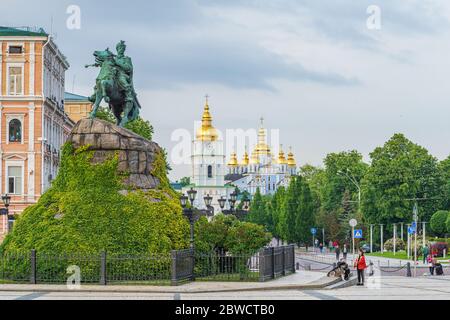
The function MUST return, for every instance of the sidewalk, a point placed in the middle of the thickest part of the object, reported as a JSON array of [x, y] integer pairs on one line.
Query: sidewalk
[[301, 280], [383, 261]]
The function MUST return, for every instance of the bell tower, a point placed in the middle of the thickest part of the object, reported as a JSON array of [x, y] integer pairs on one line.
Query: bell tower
[[208, 158]]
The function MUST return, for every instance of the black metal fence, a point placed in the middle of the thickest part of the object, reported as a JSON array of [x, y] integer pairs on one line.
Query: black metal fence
[[174, 268]]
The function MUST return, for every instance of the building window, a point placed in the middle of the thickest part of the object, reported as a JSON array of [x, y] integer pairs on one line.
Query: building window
[[15, 131], [15, 50], [210, 175], [15, 81], [14, 180]]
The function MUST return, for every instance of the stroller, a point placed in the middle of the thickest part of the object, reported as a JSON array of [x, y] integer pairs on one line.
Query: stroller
[[340, 270], [438, 269]]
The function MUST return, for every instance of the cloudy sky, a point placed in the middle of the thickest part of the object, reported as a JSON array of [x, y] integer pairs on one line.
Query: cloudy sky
[[312, 68]]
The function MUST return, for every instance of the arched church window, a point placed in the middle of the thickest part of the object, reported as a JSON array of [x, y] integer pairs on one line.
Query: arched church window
[[210, 175], [15, 131]]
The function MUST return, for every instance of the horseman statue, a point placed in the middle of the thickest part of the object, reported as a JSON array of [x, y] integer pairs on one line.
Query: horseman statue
[[114, 84]]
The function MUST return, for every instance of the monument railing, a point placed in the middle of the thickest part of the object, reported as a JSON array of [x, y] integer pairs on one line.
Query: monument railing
[[174, 268]]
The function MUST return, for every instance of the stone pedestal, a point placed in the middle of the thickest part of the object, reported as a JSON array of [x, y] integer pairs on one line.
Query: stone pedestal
[[136, 154]]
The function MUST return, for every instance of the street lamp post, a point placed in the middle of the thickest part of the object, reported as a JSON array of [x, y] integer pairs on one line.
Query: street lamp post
[[371, 238], [189, 214], [381, 239], [395, 239], [6, 198]]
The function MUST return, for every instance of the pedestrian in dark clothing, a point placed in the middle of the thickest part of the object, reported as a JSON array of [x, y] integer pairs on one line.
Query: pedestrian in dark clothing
[[321, 247], [338, 252], [344, 252], [426, 251], [360, 265]]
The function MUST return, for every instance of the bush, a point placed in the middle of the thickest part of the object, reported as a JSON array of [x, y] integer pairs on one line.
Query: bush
[[399, 245], [86, 211], [448, 224], [439, 248], [438, 222]]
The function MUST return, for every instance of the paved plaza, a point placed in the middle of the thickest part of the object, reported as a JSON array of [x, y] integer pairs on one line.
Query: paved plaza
[[388, 288]]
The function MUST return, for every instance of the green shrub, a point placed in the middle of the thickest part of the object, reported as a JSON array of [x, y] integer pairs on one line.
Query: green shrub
[[87, 211], [438, 222], [448, 224], [399, 245]]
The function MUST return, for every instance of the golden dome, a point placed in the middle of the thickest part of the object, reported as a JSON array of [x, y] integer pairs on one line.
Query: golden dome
[[281, 157], [207, 132], [262, 148], [233, 160], [254, 159], [245, 159], [291, 160]]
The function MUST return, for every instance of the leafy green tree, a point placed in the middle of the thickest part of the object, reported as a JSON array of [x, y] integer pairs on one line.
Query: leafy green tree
[[246, 237], [448, 224], [276, 209], [257, 212], [401, 171], [341, 171], [228, 234], [290, 208], [185, 181], [305, 213], [438, 222], [444, 166]]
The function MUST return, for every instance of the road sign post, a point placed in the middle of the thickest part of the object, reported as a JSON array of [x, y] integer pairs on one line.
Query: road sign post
[[313, 232]]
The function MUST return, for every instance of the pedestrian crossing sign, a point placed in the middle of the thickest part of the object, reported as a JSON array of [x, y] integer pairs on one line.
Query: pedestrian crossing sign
[[358, 234]]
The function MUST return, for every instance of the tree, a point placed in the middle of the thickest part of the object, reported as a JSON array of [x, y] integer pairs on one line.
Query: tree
[[290, 207], [444, 166], [305, 213], [438, 222], [257, 212], [185, 181], [448, 224], [400, 171], [228, 234], [277, 212]]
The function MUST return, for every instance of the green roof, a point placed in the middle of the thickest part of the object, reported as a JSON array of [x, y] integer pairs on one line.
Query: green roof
[[74, 97], [22, 32]]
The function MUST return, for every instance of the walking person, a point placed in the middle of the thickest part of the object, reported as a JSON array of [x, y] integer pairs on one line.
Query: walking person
[[426, 252], [361, 266], [321, 247], [431, 264], [344, 252], [338, 252]]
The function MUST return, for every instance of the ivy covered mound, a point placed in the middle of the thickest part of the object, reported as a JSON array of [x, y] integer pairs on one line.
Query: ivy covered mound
[[91, 207]]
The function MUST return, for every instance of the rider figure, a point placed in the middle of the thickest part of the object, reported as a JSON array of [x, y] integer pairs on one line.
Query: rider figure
[[124, 72]]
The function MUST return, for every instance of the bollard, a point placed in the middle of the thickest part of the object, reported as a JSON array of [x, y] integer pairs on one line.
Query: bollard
[[371, 272], [297, 266], [408, 269]]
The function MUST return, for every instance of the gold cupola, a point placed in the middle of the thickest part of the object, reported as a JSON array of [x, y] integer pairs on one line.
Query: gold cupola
[[291, 160], [207, 132], [254, 158], [281, 157], [245, 159], [262, 148], [233, 160]]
